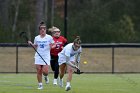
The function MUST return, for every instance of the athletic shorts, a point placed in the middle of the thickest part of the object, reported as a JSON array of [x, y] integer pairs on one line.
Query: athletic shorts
[[39, 61], [62, 59]]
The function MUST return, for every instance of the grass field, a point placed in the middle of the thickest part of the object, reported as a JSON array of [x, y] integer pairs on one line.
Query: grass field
[[99, 60], [85, 83]]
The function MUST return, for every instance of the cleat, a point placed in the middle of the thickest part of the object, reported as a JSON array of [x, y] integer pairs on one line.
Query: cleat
[[68, 88], [40, 87]]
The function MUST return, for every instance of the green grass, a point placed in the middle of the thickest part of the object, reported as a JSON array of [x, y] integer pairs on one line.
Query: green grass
[[85, 83]]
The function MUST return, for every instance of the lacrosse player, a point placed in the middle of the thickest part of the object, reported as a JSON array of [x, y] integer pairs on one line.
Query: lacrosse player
[[68, 60], [60, 42], [43, 44]]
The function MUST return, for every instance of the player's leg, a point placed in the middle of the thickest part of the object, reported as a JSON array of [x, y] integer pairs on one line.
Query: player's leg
[[56, 71], [45, 73], [62, 72], [52, 63], [39, 76], [69, 78], [55, 68], [70, 71]]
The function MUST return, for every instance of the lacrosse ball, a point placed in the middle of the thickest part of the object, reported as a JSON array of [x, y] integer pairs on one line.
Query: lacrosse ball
[[85, 62]]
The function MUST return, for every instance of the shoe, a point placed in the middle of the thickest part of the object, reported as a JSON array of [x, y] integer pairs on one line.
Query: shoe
[[46, 79], [40, 87], [68, 87], [61, 82], [55, 81]]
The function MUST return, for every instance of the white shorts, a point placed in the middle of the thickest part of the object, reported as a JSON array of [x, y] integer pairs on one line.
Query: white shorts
[[40, 61], [62, 59]]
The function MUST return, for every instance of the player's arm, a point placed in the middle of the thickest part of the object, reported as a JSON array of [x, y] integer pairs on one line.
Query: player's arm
[[70, 63], [77, 59], [78, 56], [64, 43], [53, 45], [30, 43]]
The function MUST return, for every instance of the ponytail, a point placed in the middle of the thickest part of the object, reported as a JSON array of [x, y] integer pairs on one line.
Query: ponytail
[[77, 40]]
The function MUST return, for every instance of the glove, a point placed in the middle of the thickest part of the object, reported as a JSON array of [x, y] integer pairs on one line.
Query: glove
[[76, 67], [78, 71]]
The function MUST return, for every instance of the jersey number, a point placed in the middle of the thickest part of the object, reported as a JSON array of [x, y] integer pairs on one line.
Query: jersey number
[[57, 46], [41, 45]]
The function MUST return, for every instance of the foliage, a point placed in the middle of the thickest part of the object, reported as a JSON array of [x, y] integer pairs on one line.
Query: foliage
[[103, 21], [96, 21]]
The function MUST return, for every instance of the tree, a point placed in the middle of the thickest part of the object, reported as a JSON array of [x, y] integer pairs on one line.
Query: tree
[[40, 12], [4, 14]]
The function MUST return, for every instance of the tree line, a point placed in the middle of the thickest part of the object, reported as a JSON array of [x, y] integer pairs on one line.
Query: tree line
[[95, 21]]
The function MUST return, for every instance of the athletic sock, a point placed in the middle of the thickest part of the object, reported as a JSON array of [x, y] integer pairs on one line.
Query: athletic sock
[[68, 84], [40, 84], [46, 79]]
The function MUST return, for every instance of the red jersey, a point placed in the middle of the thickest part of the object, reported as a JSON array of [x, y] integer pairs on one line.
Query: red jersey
[[60, 42]]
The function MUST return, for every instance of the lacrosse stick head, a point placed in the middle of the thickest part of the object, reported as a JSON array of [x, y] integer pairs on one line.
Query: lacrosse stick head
[[78, 72], [24, 35]]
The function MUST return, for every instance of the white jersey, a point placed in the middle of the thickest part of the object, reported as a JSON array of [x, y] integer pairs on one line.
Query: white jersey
[[43, 48], [68, 52]]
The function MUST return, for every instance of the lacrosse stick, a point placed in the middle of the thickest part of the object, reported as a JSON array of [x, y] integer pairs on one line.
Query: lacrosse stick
[[23, 35], [77, 64], [78, 70]]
